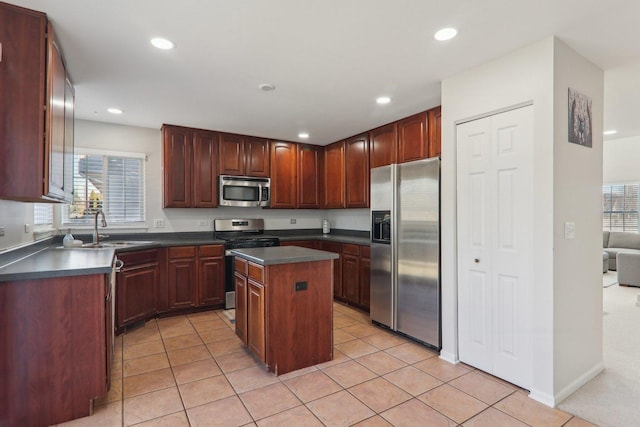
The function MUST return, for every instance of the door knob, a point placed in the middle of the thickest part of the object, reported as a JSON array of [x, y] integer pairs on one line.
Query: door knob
[[476, 260]]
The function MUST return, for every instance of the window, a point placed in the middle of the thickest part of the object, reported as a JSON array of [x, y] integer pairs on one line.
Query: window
[[107, 181], [42, 215], [620, 207]]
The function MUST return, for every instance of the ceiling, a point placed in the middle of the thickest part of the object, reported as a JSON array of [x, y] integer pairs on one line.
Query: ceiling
[[329, 60]]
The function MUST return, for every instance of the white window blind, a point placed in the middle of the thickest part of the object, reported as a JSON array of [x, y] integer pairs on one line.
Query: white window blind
[[42, 214], [620, 207], [107, 181]]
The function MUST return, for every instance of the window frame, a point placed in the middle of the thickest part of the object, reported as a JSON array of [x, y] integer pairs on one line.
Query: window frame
[[624, 211], [106, 154]]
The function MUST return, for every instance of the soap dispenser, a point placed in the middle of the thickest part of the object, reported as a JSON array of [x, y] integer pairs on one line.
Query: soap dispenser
[[67, 240]]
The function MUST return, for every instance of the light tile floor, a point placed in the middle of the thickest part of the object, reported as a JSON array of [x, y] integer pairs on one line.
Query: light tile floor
[[192, 370]]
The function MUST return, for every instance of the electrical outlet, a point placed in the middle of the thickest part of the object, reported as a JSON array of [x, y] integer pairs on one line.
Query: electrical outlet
[[203, 222], [292, 221], [27, 228], [1, 231], [158, 223]]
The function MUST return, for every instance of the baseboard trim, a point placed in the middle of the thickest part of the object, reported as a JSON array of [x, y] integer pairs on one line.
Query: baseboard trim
[[579, 382], [449, 357], [554, 400], [544, 398]]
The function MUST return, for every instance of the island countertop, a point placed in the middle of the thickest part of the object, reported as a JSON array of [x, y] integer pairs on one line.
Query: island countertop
[[283, 255]]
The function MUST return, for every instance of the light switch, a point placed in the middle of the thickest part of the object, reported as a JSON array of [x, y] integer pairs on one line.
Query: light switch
[[569, 230]]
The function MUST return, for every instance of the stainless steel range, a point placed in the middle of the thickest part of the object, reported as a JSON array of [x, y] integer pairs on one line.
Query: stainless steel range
[[239, 233]]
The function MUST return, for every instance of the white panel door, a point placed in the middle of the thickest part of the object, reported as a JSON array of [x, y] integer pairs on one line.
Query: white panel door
[[495, 185]]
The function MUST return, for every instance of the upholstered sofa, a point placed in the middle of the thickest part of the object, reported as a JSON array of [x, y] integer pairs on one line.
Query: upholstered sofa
[[616, 242]]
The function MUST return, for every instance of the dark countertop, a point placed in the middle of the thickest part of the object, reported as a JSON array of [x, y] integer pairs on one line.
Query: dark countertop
[[47, 258], [283, 255], [54, 262]]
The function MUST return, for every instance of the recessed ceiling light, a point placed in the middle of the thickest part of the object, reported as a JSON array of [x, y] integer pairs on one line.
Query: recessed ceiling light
[[163, 44], [610, 132], [115, 110], [445, 34], [266, 87], [303, 135], [383, 100]]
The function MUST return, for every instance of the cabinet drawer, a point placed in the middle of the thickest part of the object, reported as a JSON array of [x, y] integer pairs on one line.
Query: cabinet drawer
[[365, 251], [331, 247], [256, 272], [348, 248], [211, 250], [138, 257], [240, 265], [182, 252]]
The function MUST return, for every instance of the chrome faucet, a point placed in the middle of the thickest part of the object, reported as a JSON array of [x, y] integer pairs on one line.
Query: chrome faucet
[[96, 236]]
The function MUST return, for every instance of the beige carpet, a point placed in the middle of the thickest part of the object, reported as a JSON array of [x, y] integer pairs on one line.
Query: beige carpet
[[612, 398]]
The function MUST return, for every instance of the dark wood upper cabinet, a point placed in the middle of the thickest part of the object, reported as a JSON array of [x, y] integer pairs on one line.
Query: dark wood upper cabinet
[[309, 176], [357, 171], [257, 157], [434, 116], [334, 175], [177, 161], [283, 174], [34, 105], [205, 177], [383, 145], [243, 155], [190, 167], [412, 138], [231, 154]]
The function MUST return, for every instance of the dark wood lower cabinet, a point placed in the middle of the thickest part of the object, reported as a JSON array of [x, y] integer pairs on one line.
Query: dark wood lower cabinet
[[285, 327], [181, 277], [54, 353], [136, 285], [210, 275]]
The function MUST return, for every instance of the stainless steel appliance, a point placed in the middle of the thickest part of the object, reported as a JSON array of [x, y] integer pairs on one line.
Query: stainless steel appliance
[[405, 249], [239, 233], [244, 191]]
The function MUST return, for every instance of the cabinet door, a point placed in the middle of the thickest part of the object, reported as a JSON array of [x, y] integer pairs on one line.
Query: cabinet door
[[412, 138], [136, 293], [337, 265], [22, 98], [56, 88], [357, 171], [182, 277], [256, 319], [283, 174], [365, 281], [383, 143], [434, 117], [334, 175], [232, 154], [309, 166], [241, 306], [211, 281], [205, 169], [177, 161], [351, 273], [257, 157]]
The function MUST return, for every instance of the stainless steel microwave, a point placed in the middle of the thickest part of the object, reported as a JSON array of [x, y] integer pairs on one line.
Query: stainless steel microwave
[[244, 191]]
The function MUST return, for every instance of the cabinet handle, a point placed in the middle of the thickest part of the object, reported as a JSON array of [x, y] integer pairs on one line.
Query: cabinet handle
[[476, 260], [0, 52]]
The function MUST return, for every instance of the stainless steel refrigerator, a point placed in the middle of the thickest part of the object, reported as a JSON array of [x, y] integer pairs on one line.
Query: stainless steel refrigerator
[[405, 249]]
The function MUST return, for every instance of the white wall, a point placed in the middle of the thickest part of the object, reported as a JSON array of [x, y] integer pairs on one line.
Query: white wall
[[13, 217], [577, 190], [620, 160], [526, 75]]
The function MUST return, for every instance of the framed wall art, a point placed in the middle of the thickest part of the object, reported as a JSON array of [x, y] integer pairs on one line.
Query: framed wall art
[[580, 124]]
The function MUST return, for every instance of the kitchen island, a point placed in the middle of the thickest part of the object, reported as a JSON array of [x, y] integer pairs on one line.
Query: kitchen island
[[284, 305]]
